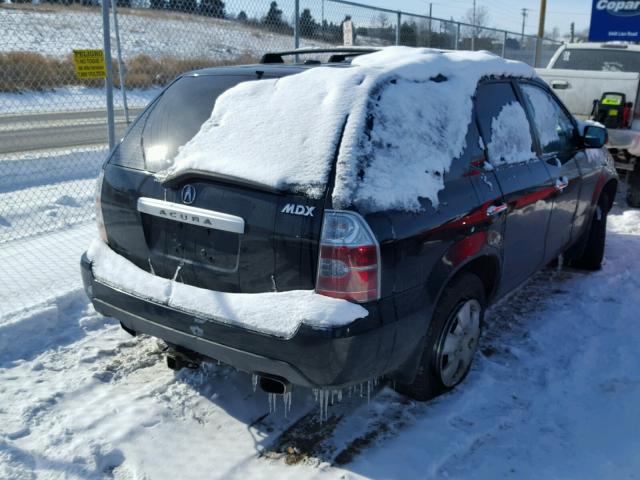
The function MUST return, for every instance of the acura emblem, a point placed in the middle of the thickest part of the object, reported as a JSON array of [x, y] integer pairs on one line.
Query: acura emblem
[[188, 194]]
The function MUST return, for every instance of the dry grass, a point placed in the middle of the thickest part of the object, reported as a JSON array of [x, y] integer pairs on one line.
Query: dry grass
[[27, 71]]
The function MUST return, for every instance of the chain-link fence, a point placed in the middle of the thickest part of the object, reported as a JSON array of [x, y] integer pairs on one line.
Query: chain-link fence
[[53, 125]]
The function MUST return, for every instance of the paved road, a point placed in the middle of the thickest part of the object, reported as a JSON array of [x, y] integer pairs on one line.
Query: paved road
[[38, 131]]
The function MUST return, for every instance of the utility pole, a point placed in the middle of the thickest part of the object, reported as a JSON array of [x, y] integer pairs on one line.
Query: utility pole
[[573, 31], [543, 13], [524, 21]]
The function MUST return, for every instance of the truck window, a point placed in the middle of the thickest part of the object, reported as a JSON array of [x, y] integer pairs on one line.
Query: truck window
[[600, 59]]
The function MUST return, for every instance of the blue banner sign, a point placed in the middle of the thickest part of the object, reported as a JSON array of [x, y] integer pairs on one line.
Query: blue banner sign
[[615, 20]]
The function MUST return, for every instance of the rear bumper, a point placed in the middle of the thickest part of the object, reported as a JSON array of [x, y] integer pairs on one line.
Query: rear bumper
[[312, 357]]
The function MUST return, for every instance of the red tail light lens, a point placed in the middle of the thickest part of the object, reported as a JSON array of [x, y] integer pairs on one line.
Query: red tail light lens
[[626, 115], [349, 261]]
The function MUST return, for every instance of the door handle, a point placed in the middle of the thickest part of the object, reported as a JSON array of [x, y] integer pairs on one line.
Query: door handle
[[562, 183], [560, 84], [494, 210]]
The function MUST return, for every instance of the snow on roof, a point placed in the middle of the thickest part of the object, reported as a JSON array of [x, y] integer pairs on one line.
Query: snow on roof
[[404, 113]]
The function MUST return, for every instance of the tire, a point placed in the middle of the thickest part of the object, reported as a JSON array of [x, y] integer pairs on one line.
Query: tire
[[633, 187], [440, 371], [593, 252]]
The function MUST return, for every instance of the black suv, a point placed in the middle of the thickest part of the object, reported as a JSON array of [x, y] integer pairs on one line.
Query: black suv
[[424, 278]]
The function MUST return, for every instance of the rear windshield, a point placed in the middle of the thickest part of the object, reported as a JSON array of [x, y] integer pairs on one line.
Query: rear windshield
[[174, 118], [604, 60]]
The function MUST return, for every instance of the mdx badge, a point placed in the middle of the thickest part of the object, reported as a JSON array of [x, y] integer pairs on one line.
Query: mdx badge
[[302, 210], [188, 194]]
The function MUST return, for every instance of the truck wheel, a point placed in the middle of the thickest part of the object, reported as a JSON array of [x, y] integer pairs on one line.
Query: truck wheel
[[633, 187], [451, 341], [593, 253]]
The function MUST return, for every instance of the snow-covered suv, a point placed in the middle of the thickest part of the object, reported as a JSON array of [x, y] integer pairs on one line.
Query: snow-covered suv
[[322, 225]]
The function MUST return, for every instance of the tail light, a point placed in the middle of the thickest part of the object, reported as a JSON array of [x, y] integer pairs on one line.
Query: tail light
[[102, 232], [627, 114], [349, 261]]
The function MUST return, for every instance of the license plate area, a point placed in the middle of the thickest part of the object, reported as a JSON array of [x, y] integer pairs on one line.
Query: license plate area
[[199, 246]]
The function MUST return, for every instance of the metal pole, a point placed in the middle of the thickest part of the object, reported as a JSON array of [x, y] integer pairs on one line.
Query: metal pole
[[430, 14], [504, 45], [121, 67], [473, 30], [322, 19], [106, 36], [543, 13], [457, 36], [535, 53], [399, 19], [296, 25]]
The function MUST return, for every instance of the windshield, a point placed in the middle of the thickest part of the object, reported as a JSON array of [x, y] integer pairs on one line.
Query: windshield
[[600, 59]]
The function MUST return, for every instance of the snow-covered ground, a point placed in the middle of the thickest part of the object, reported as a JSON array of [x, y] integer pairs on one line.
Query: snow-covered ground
[[47, 191], [69, 99], [555, 393]]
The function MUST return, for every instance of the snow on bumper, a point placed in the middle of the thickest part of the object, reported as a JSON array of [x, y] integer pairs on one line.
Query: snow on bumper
[[280, 314]]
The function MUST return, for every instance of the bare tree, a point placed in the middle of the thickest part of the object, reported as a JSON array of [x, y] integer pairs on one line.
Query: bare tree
[[480, 18]]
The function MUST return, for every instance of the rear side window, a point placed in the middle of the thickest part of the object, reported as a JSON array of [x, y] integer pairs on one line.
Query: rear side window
[[599, 59], [173, 120], [503, 124], [555, 129]]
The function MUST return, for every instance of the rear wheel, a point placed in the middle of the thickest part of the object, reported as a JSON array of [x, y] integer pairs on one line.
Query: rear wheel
[[452, 339]]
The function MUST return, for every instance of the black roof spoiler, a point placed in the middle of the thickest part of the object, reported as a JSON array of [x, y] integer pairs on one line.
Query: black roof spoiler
[[338, 54]]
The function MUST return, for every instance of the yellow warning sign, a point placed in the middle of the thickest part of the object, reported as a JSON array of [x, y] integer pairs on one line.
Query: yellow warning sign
[[89, 63]]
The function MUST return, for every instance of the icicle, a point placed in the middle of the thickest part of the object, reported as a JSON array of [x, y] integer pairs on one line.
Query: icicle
[[368, 391], [326, 404], [361, 387], [315, 394], [340, 395], [560, 262], [254, 382], [151, 270], [286, 399], [273, 398]]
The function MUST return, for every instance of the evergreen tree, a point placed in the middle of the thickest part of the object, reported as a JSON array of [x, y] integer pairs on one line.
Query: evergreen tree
[[242, 16], [213, 8], [273, 18], [308, 25]]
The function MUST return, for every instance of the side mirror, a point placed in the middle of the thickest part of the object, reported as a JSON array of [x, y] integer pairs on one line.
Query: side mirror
[[594, 136]]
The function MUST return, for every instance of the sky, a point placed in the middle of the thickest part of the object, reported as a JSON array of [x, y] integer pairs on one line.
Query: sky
[[503, 14]]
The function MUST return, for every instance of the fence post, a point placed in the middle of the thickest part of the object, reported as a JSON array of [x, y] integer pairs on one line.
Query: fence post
[[106, 38], [398, 27], [504, 45], [457, 36], [296, 25], [121, 67], [536, 52]]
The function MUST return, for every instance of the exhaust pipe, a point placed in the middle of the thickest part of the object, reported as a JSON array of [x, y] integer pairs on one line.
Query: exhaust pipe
[[275, 385], [178, 360]]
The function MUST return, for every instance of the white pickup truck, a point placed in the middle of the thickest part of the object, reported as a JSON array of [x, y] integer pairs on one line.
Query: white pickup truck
[[601, 81]]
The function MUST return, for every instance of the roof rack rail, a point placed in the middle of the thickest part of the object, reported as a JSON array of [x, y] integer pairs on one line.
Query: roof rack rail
[[338, 53]]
